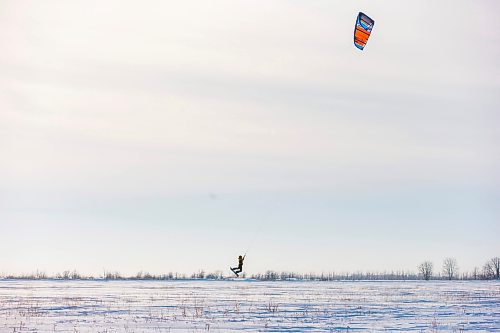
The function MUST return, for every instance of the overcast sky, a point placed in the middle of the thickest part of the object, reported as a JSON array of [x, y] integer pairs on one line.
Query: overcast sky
[[175, 135]]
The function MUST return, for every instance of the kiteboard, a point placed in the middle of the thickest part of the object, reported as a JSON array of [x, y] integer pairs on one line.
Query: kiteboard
[[232, 269]]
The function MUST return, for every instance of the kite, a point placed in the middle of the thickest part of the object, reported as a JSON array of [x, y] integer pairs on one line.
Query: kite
[[362, 30]]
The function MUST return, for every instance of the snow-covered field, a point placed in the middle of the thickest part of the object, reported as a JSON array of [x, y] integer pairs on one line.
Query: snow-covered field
[[219, 306]]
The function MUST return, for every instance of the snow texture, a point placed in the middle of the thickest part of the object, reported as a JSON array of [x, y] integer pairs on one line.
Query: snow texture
[[222, 306]]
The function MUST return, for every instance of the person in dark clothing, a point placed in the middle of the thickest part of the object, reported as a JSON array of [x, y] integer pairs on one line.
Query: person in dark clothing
[[239, 269]]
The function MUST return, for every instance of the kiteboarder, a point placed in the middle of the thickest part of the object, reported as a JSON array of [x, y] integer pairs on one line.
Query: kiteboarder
[[239, 269]]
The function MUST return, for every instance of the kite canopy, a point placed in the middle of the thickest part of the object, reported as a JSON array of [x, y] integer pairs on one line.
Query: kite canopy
[[362, 30]]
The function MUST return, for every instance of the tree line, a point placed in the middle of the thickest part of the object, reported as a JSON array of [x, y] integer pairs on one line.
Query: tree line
[[425, 271], [450, 270]]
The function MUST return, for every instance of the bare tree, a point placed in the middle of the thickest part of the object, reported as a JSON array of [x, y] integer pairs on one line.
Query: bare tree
[[488, 271], [475, 273], [425, 269], [495, 266], [450, 268]]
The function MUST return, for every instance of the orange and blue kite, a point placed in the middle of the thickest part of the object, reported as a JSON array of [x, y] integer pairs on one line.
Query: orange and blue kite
[[362, 30]]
